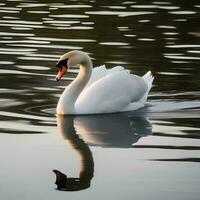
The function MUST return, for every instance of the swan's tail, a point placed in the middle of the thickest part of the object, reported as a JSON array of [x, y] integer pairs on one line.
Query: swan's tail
[[148, 78]]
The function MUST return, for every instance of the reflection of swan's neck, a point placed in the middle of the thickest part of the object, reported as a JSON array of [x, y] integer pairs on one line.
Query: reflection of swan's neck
[[67, 101], [68, 132], [86, 159]]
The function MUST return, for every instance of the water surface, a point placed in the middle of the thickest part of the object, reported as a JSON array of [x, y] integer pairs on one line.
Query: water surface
[[148, 154]]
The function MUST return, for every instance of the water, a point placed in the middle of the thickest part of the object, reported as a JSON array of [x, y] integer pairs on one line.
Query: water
[[149, 154]]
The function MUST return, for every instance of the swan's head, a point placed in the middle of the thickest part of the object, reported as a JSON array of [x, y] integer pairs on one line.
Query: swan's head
[[71, 59]]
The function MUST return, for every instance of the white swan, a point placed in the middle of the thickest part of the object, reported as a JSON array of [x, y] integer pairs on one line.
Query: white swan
[[100, 90]]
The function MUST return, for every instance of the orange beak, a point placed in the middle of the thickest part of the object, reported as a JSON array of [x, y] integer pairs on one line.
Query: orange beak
[[61, 73]]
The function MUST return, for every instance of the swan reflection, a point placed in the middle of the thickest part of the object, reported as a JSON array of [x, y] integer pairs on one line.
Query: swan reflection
[[67, 130], [113, 130]]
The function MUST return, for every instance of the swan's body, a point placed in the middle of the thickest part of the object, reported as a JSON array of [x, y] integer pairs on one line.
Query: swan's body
[[101, 90]]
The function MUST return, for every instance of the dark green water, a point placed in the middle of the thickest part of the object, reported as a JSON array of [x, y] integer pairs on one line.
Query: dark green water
[[152, 153]]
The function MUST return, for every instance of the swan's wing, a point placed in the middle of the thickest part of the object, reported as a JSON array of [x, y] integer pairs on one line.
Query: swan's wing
[[115, 69], [97, 73], [111, 93], [100, 72]]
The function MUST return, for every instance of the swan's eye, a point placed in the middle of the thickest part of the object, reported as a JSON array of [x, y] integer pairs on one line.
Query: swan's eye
[[62, 63]]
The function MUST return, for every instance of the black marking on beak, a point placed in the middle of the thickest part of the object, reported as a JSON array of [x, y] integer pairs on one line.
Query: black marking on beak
[[62, 63]]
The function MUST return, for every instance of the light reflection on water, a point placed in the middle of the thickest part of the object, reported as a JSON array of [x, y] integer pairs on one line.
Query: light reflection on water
[[161, 36]]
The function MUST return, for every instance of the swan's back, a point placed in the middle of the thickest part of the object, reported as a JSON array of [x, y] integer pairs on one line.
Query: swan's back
[[113, 91]]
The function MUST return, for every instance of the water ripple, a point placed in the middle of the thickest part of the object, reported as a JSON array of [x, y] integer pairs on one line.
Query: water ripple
[[6, 62], [182, 12], [69, 16], [183, 57], [9, 11], [24, 42], [46, 46], [16, 34], [162, 2], [120, 14], [21, 22], [28, 67], [60, 39], [184, 46], [31, 5], [55, 5], [38, 12], [114, 43]]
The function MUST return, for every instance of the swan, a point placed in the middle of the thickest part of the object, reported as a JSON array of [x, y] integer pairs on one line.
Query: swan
[[100, 90]]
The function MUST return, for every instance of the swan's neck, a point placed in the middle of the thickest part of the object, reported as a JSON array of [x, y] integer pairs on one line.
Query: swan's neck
[[66, 103]]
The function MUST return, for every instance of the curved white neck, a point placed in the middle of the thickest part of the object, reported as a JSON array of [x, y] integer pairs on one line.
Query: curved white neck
[[66, 103]]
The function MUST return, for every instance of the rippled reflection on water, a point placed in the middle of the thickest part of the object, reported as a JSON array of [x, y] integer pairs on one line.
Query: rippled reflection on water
[[162, 36]]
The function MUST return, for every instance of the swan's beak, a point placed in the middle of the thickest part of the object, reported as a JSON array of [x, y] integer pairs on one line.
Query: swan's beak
[[61, 73]]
